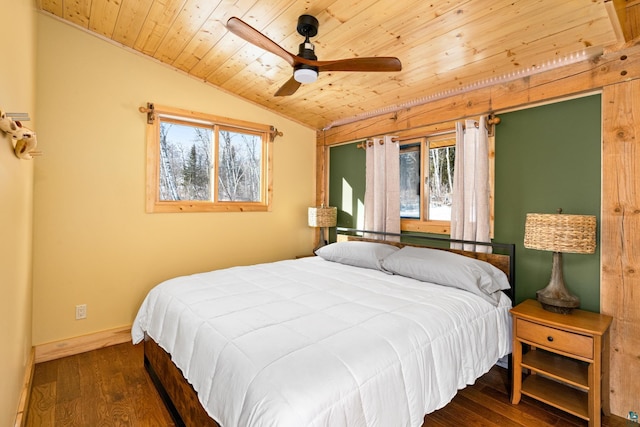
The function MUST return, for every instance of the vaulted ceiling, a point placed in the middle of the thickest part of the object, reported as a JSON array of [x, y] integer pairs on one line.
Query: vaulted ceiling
[[444, 46]]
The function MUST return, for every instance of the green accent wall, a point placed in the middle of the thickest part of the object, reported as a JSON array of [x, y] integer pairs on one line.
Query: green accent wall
[[547, 157], [347, 184]]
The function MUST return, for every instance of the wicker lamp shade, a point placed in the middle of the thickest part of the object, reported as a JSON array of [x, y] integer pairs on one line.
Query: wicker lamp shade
[[561, 233], [323, 216]]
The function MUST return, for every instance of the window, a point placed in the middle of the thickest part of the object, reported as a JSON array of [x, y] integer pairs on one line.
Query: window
[[202, 163], [426, 183]]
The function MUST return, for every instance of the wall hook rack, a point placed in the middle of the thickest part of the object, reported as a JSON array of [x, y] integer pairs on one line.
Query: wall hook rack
[[24, 139]]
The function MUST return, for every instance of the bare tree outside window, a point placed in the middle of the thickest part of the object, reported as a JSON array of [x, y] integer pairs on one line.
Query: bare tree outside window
[[185, 166], [168, 187], [441, 161], [240, 157], [426, 189], [198, 162]]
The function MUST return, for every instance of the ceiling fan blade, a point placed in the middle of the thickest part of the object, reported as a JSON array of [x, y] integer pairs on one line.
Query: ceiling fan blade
[[255, 37], [359, 64], [289, 88]]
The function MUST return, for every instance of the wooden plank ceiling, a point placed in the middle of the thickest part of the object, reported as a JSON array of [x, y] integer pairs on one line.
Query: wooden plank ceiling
[[443, 45]]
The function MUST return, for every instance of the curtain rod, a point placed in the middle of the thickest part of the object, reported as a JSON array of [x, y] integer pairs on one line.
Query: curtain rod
[[431, 135], [369, 142], [151, 112], [492, 120]]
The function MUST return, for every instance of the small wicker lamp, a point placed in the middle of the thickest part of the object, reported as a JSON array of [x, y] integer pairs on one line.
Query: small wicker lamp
[[560, 234], [322, 217]]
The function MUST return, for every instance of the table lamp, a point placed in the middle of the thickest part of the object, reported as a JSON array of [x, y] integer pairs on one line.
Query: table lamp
[[322, 217], [559, 234]]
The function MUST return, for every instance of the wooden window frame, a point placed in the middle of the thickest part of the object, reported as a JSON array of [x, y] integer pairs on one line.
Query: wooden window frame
[[423, 225], [217, 123]]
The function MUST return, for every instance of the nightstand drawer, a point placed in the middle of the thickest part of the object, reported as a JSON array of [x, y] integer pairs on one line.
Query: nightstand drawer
[[580, 345]]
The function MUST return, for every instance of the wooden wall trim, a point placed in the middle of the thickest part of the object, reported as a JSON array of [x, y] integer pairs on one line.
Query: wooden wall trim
[[25, 394], [582, 77], [81, 344], [620, 239], [322, 174]]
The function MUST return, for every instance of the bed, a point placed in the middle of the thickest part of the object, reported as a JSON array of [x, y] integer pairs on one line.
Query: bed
[[365, 334]]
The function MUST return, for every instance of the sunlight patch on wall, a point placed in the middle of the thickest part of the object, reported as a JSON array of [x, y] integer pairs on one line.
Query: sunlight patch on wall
[[347, 194], [360, 219]]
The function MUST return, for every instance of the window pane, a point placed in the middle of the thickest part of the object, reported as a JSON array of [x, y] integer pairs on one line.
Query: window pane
[[197, 162], [185, 162], [239, 167], [441, 162], [410, 182]]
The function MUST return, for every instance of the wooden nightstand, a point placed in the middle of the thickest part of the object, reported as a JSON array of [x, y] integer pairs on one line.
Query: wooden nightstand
[[567, 361]]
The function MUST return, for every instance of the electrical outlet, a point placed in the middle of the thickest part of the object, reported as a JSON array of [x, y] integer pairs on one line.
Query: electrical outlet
[[81, 311]]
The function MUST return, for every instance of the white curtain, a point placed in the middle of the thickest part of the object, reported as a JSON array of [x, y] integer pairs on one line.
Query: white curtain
[[470, 211], [382, 191]]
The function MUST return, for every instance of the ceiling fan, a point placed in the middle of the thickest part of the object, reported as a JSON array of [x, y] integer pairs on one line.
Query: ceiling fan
[[305, 64]]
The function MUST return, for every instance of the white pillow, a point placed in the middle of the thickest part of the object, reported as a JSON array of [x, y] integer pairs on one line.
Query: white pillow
[[448, 269], [356, 253]]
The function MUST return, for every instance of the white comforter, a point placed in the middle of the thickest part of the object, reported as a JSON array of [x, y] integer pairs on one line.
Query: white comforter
[[311, 342]]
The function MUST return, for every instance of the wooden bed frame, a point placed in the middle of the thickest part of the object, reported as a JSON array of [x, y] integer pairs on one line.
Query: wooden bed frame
[[181, 399]]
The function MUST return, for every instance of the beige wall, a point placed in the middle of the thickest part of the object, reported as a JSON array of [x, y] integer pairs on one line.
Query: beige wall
[[94, 244], [17, 91]]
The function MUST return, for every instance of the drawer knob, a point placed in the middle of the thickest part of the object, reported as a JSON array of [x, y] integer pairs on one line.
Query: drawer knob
[[550, 338]]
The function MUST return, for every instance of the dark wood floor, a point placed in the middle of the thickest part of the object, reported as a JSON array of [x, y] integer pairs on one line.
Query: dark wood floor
[[109, 387], [106, 387]]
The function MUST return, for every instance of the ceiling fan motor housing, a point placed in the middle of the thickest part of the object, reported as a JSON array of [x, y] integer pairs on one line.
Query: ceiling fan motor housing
[[306, 50], [310, 72], [307, 27]]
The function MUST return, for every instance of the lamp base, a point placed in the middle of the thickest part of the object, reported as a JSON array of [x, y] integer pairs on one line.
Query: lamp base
[[322, 242], [556, 297], [556, 308]]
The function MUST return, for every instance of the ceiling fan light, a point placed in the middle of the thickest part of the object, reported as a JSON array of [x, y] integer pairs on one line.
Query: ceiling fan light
[[305, 75]]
